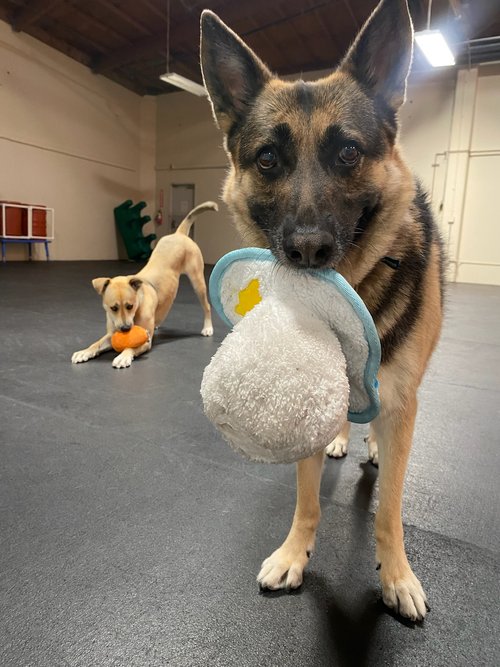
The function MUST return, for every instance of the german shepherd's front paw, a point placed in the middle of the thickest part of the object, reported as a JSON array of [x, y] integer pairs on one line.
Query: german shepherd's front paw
[[284, 568], [338, 447], [123, 360], [404, 594]]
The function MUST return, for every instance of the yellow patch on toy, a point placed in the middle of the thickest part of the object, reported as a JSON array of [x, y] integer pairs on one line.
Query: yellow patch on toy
[[249, 297]]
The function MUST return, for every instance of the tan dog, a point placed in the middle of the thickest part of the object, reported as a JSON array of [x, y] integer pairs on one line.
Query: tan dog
[[317, 176], [145, 298]]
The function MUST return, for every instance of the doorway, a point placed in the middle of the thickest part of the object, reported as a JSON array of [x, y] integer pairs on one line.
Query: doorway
[[181, 202]]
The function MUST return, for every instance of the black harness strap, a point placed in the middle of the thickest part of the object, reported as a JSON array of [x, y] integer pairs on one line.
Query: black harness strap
[[391, 262]]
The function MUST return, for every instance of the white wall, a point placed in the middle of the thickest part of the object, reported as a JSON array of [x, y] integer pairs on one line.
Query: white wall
[[73, 141]]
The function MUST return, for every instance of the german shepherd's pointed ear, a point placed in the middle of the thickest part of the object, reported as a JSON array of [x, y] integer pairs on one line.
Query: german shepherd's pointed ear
[[232, 73], [380, 58], [100, 284]]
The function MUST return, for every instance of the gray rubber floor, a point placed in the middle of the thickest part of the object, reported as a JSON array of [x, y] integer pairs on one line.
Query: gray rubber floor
[[131, 535]]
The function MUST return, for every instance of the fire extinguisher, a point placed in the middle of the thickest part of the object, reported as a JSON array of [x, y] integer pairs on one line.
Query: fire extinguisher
[[159, 213]]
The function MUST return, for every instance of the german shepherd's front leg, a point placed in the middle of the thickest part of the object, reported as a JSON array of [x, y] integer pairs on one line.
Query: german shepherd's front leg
[[401, 590], [284, 568]]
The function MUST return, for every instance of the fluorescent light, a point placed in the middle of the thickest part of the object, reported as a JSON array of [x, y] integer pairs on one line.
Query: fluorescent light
[[186, 84], [434, 47]]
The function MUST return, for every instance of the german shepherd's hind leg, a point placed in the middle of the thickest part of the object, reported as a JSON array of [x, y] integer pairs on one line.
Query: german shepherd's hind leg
[[338, 447], [285, 567], [371, 441], [401, 590]]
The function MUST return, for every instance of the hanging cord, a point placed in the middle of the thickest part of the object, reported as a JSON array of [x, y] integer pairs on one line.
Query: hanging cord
[[429, 9], [168, 36]]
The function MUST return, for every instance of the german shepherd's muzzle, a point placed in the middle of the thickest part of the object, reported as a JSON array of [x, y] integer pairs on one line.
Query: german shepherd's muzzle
[[316, 175]]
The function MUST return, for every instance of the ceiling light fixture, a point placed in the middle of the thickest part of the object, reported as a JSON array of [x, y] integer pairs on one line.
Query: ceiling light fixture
[[433, 44], [186, 84], [176, 79]]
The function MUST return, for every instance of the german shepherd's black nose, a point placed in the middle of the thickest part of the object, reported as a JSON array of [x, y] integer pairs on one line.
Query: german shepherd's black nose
[[125, 328], [309, 249]]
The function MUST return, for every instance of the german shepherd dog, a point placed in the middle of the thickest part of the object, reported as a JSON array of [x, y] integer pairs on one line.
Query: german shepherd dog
[[316, 175]]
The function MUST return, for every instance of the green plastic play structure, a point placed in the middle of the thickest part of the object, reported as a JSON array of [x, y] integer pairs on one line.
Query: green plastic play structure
[[130, 223]]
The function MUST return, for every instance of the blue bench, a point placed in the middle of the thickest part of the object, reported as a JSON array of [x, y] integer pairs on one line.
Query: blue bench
[[4, 240]]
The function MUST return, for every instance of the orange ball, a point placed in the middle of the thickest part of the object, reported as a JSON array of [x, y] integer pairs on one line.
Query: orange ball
[[136, 337]]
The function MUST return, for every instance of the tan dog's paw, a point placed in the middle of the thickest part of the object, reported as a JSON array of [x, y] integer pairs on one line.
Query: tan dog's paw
[[123, 360], [372, 449], [283, 569], [405, 595], [338, 448], [207, 331], [81, 356]]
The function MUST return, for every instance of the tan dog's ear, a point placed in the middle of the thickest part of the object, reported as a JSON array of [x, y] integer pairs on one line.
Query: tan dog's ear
[[135, 283], [381, 55], [100, 284], [232, 73]]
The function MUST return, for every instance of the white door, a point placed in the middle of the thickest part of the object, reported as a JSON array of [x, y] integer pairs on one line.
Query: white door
[[181, 202]]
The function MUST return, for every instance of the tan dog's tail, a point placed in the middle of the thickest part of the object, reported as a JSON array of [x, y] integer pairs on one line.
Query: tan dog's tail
[[185, 225]]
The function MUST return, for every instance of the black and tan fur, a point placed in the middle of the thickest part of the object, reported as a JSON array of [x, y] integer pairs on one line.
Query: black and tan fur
[[316, 175]]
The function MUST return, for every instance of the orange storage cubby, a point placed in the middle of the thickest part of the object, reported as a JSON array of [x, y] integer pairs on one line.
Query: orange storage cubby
[[39, 222], [16, 220]]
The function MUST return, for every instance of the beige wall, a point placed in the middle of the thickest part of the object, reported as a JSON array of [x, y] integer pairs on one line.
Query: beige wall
[[189, 150], [477, 248], [450, 137], [455, 147], [426, 126], [82, 144], [73, 141]]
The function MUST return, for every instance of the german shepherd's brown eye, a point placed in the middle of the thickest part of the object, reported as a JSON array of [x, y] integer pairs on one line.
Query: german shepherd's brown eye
[[267, 159], [129, 306], [114, 309], [349, 155]]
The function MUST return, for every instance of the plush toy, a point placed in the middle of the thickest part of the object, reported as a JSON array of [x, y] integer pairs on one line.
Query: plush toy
[[136, 337], [302, 358]]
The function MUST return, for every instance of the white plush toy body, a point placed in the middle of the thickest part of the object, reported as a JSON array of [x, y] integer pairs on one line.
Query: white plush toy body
[[301, 360]]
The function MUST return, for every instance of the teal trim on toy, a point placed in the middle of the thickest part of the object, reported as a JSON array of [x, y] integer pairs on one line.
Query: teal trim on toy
[[215, 282], [343, 289]]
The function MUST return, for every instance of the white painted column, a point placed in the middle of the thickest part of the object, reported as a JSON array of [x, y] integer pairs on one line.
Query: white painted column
[[458, 158]]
